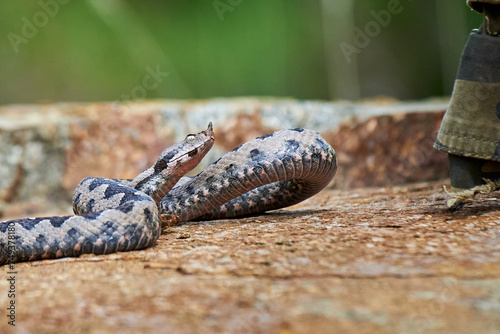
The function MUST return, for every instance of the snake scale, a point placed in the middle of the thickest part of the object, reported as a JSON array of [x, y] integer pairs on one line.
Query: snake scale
[[270, 172]]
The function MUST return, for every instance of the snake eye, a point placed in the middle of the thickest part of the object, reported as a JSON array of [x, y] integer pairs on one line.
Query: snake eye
[[190, 137]]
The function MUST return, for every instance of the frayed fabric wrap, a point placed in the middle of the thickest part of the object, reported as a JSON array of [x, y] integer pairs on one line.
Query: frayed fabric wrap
[[471, 125]]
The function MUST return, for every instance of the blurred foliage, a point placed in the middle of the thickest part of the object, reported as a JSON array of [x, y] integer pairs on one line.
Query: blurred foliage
[[102, 50]]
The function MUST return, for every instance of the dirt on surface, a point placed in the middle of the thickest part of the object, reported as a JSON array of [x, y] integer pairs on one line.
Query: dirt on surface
[[367, 260]]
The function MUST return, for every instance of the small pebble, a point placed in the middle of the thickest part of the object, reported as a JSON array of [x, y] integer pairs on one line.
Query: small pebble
[[183, 235]]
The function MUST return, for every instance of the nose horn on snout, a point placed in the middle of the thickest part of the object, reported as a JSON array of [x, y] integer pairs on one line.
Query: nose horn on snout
[[210, 130]]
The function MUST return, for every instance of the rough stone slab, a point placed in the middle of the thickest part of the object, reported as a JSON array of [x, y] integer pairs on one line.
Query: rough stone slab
[[371, 260], [45, 150], [388, 150]]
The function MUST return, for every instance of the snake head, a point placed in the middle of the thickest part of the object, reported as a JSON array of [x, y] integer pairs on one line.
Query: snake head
[[180, 158], [173, 163]]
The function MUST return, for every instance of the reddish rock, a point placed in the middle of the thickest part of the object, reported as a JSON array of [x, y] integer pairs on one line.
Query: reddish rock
[[379, 260], [388, 150]]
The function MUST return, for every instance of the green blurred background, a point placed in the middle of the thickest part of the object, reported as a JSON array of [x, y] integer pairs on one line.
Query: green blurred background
[[104, 50]]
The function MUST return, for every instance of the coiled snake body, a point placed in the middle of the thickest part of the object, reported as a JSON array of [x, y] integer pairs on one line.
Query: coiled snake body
[[269, 172]]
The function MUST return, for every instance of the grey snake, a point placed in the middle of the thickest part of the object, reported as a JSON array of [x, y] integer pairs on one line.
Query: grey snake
[[270, 172]]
